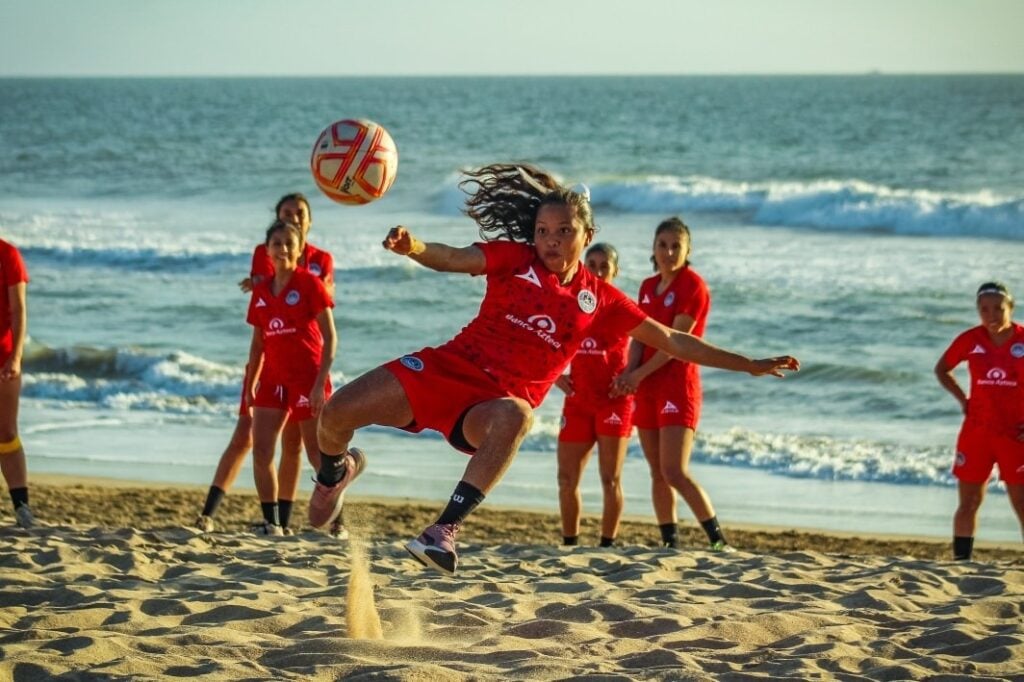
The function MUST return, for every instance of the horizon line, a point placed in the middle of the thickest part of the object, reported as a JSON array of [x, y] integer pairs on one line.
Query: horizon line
[[803, 74]]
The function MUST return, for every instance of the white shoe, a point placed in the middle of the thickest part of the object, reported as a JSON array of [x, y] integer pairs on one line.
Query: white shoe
[[204, 524], [23, 517], [338, 530], [266, 528]]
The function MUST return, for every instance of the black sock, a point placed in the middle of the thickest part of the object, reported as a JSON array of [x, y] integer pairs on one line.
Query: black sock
[[963, 546], [669, 534], [270, 513], [607, 542], [464, 500], [284, 511], [713, 530], [213, 499], [332, 471], [570, 540], [19, 496]]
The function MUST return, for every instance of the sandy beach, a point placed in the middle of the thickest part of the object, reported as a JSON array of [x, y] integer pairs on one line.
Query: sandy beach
[[114, 586]]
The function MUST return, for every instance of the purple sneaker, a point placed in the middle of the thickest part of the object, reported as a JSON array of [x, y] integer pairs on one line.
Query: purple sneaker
[[435, 547], [327, 500]]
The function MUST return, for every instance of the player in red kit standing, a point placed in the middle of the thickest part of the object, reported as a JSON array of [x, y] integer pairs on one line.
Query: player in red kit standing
[[293, 346], [590, 415], [13, 329], [668, 391], [290, 208], [993, 427], [479, 389]]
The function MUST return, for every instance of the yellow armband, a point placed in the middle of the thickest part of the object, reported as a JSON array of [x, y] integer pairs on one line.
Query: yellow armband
[[10, 446]]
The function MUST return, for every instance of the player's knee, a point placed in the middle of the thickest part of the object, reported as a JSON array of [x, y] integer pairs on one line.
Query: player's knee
[[516, 414], [610, 482], [567, 479]]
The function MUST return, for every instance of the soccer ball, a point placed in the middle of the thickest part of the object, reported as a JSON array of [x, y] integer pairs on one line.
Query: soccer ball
[[354, 161]]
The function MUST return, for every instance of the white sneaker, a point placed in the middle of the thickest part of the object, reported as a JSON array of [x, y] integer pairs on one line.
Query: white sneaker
[[204, 524], [23, 517], [338, 530], [266, 528]]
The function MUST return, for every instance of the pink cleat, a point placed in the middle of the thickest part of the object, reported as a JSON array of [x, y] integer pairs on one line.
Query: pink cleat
[[327, 500], [435, 547]]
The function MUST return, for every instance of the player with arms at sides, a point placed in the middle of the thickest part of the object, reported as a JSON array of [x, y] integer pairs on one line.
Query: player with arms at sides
[[290, 208], [293, 346], [590, 415], [13, 329], [668, 391], [993, 427], [480, 389]]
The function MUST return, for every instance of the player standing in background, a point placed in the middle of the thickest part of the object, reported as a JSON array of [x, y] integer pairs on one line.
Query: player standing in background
[[290, 208], [590, 415], [668, 391], [993, 427], [13, 330], [293, 346]]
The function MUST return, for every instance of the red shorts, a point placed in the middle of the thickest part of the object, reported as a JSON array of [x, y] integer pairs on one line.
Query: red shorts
[[660, 404], [584, 422], [977, 450], [291, 396], [441, 387]]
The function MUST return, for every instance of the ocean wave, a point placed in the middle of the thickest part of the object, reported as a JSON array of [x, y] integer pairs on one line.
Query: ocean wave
[[830, 204]]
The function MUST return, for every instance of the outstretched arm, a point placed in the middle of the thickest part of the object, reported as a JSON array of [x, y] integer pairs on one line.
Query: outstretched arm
[[440, 257], [687, 347]]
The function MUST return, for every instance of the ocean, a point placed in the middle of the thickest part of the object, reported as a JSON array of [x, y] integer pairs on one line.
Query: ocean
[[845, 220]]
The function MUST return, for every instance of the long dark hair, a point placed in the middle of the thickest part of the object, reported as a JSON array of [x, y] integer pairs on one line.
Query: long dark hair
[[504, 199], [676, 226], [297, 197]]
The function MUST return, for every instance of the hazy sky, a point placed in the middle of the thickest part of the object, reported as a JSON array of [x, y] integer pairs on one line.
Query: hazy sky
[[371, 37]]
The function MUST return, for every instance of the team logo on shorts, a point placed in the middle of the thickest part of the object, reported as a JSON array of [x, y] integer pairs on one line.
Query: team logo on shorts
[[670, 299], [1017, 350], [314, 269], [292, 297], [959, 460], [669, 408], [613, 419], [412, 362], [587, 301], [303, 401]]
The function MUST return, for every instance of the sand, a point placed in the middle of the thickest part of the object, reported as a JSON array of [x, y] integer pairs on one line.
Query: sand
[[140, 596]]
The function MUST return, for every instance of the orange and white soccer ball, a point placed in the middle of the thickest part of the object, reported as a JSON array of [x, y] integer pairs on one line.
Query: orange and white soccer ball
[[354, 161]]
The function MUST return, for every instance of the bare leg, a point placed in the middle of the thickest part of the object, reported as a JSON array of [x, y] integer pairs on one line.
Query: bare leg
[[1016, 493], [289, 469], [572, 458], [662, 495], [233, 457], [495, 428], [12, 464], [611, 454], [374, 398], [965, 520], [266, 427], [676, 447]]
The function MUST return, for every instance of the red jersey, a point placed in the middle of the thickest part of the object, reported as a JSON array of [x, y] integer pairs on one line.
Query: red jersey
[[687, 294], [530, 324], [599, 360], [292, 342], [316, 261], [996, 401], [12, 272]]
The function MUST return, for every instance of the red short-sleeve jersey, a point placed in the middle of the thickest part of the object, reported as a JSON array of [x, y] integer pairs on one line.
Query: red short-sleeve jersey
[[530, 324], [996, 397], [12, 272], [686, 295], [292, 342], [315, 260], [598, 361]]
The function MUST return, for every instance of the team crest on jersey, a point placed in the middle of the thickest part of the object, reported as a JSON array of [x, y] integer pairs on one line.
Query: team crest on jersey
[[587, 301], [1017, 350], [977, 350], [531, 277], [314, 269], [412, 362], [669, 408], [292, 297], [670, 299]]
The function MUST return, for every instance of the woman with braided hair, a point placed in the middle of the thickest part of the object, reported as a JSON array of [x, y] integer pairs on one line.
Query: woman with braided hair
[[480, 389]]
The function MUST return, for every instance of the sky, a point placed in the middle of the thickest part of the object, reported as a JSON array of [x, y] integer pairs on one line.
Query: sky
[[514, 37]]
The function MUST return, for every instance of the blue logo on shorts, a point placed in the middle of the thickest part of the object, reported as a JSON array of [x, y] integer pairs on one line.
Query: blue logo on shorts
[[412, 362]]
